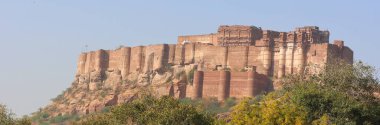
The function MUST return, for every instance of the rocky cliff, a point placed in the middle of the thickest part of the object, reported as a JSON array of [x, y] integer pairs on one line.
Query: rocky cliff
[[92, 91]]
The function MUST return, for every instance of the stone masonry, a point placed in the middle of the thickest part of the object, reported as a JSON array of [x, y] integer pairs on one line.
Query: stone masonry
[[237, 61]]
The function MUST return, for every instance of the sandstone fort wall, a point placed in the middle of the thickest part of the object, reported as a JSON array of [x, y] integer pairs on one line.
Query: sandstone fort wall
[[224, 63], [142, 59]]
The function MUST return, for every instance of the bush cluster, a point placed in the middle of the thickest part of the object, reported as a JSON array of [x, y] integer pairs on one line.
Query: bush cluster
[[342, 94]]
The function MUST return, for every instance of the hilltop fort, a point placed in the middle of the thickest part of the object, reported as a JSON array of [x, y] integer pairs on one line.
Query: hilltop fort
[[236, 61]]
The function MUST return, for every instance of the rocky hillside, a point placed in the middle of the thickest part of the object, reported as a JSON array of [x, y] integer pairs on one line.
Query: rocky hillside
[[93, 91]]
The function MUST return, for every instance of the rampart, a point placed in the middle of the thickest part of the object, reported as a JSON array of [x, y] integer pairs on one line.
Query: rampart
[[224, 84], [225, 64]]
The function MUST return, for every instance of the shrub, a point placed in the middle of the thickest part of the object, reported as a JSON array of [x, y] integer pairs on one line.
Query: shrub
[[151, 111], [7, 117]]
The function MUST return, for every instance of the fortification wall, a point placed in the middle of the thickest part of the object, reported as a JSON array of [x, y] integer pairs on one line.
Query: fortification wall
[[316, 57], [156, 57], [210, 84], [172, 53], [239, 86], [269, 62], [189, 51], [82, 63], [255, 58], [237, 61], [237, 57], [339, 51], [208, 57], [115, 59], [225, 84], [89, 64], [178, 54], [347, 55], [125, 61], [137, 59]]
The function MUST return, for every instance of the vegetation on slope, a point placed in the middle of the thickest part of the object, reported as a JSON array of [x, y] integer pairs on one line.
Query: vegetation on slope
[[8, 118], [150, 110]]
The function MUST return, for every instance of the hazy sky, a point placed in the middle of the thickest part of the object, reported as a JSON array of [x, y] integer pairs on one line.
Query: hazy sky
[[40, 40]]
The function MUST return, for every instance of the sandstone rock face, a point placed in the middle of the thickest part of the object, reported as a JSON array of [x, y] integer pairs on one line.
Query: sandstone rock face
[[92, 91], [237, 61], [92, 86]]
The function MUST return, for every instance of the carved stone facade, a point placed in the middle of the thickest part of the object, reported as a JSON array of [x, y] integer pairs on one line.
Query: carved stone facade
[[279, 53], [238, 35]]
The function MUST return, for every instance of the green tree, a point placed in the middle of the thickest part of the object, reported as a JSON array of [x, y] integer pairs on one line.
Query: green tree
[[149, 110], [341, 94], [25, 120], [7, 117], [274, 109], [344, 91]]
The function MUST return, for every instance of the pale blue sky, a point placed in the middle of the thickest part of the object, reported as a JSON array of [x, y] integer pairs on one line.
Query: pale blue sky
[[40, 40]]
